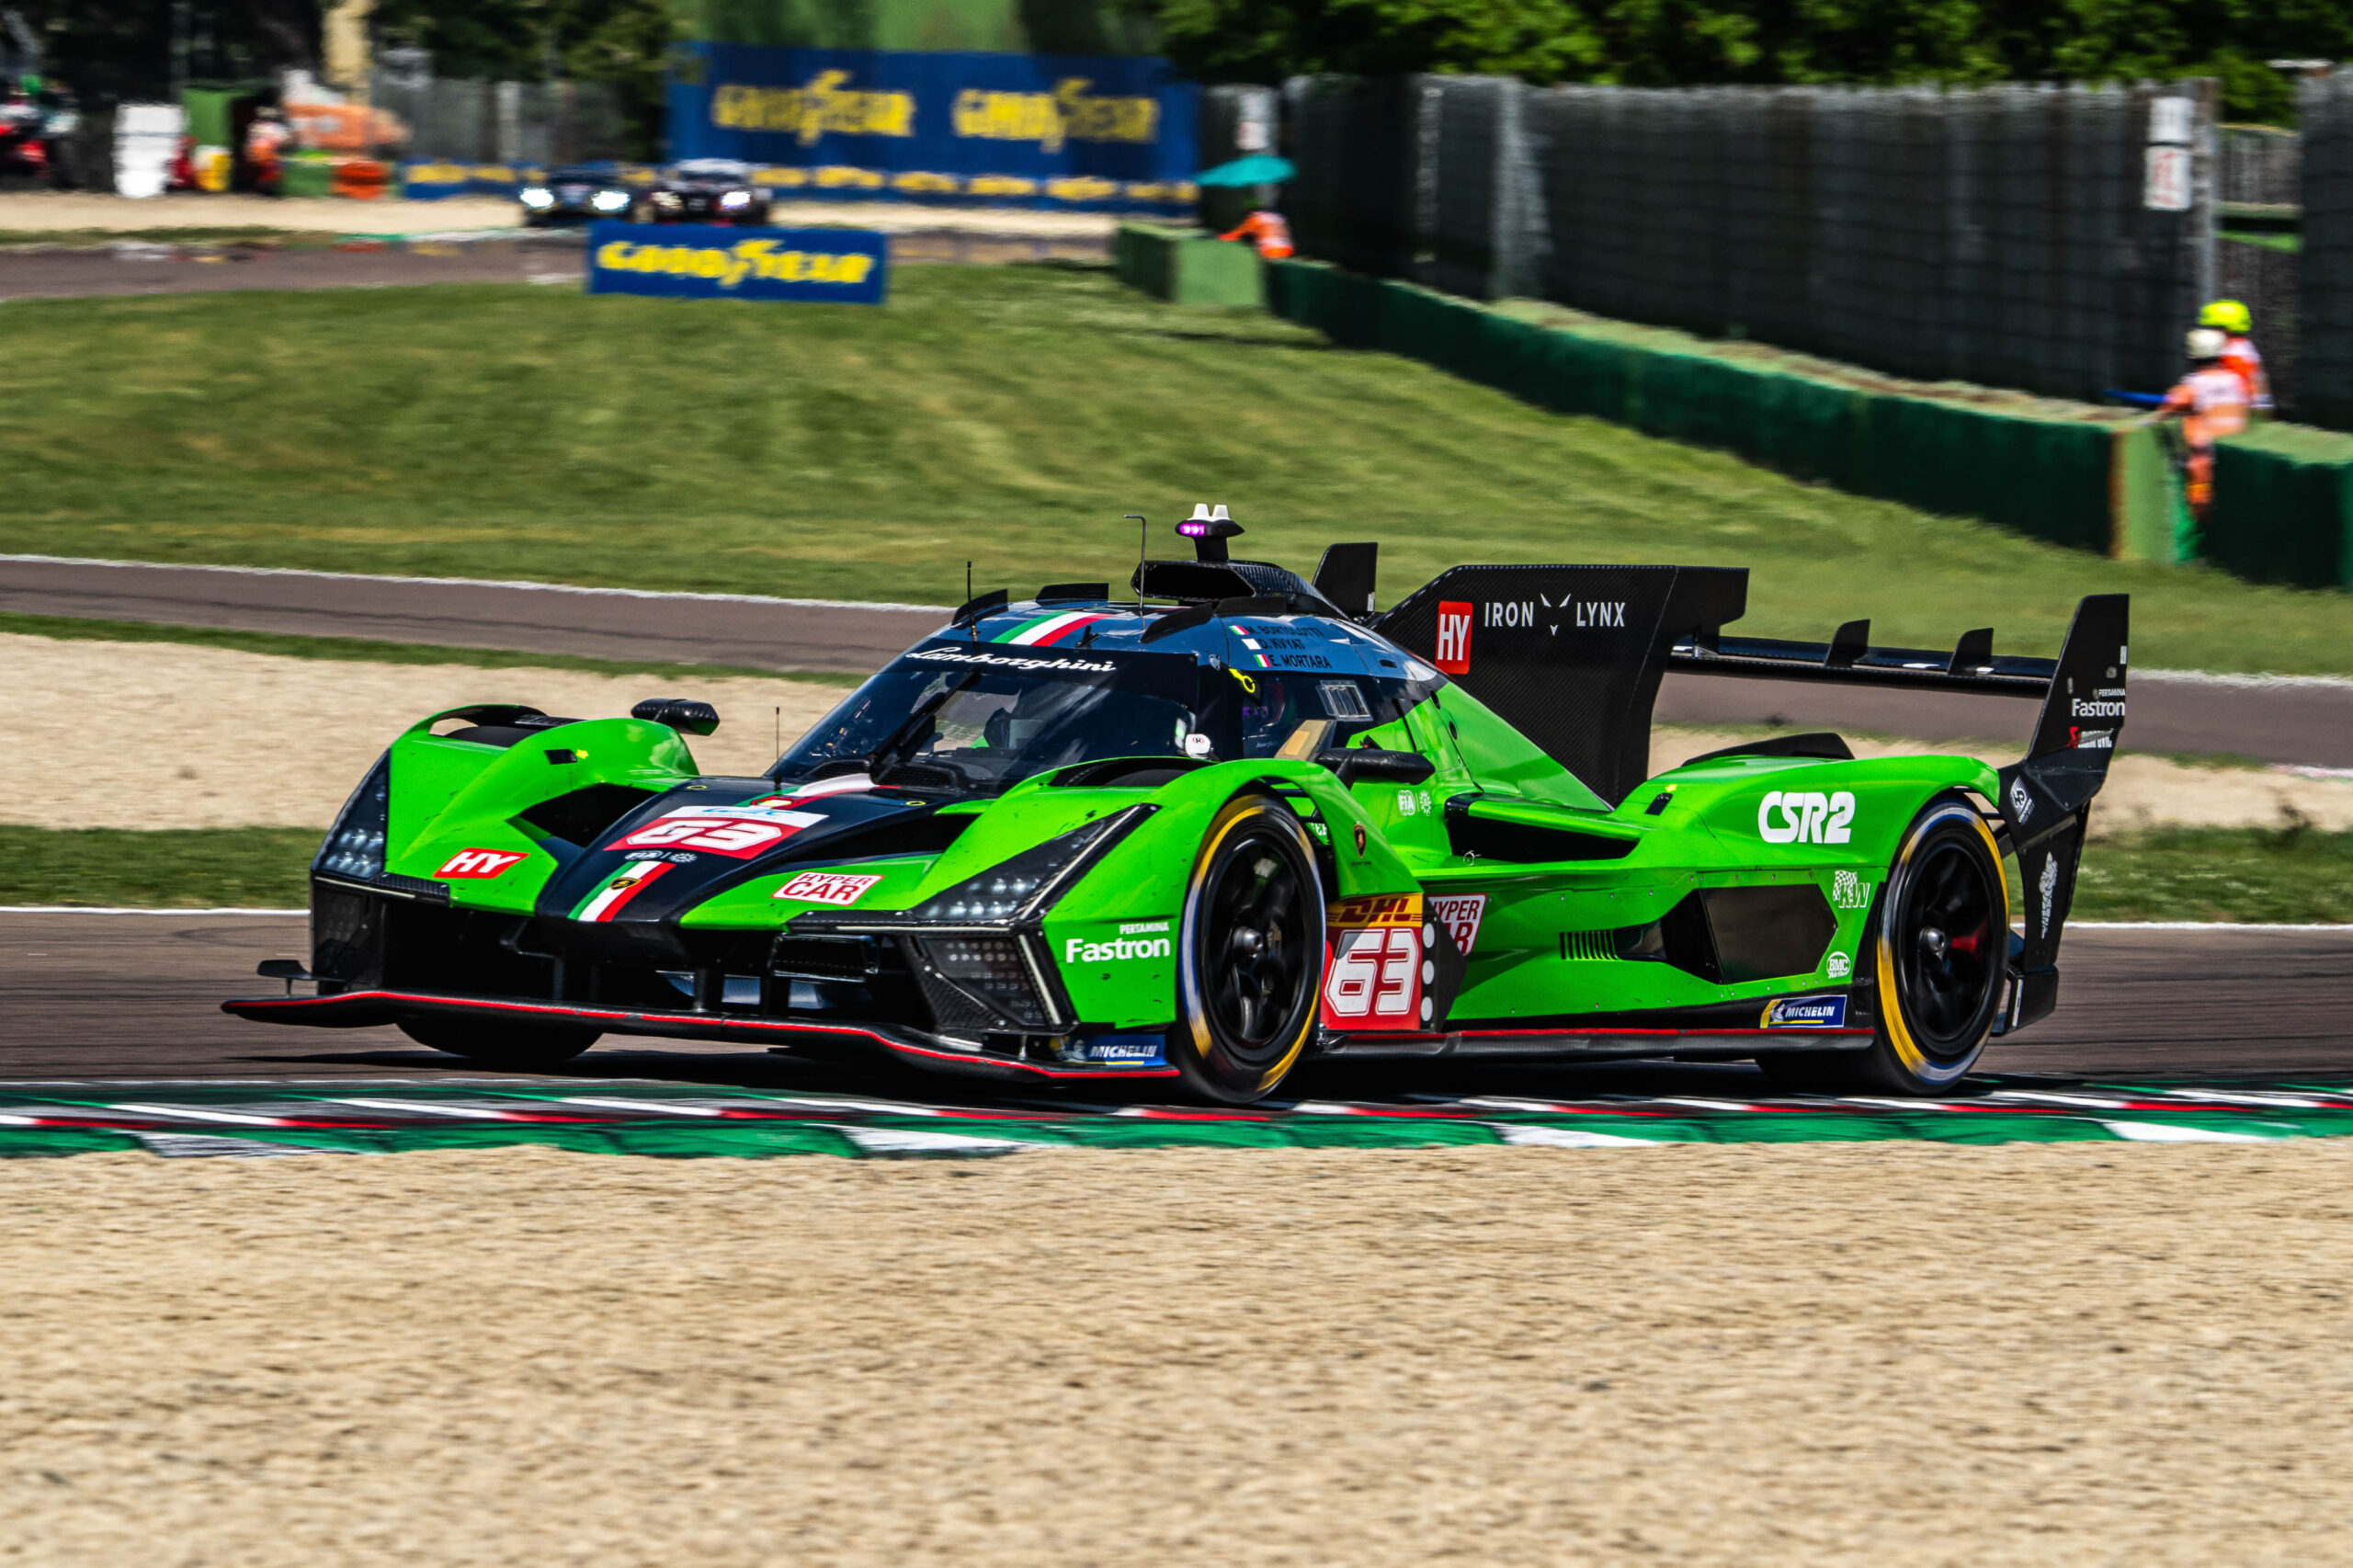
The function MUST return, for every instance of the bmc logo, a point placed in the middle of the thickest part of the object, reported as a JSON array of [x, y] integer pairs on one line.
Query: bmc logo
[[1800, 817], [1454, 637], [481, 864]]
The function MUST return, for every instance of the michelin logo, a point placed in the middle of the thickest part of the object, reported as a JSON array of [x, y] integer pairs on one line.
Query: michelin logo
[[1806, 1013], [1120, 949]]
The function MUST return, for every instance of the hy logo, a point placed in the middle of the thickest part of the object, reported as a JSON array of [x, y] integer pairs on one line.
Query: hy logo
[[1454, 637]]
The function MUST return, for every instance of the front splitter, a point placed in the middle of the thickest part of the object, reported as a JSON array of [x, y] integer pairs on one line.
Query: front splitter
[[362, 1010]]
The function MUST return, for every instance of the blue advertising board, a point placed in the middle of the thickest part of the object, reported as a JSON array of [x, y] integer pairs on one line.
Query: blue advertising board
[[1107, 133], [705, 261]]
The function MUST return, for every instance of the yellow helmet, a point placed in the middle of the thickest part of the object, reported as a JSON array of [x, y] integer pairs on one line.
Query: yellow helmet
[[2228, 315]]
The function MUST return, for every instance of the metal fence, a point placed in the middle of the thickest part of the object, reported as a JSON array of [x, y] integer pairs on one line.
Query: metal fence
[[504, 122], [2324, 346], [2002, 236]]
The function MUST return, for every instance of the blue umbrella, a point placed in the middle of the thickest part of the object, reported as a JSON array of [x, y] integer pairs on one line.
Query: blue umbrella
[[1259, 168]]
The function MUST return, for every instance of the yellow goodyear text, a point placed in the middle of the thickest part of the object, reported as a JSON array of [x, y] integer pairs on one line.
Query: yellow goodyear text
[[1067, 114], [730, 266], [825, 105]]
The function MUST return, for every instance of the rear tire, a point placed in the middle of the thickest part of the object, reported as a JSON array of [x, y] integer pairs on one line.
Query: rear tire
[[517, 1047], [1939, 949], [1250, 960]]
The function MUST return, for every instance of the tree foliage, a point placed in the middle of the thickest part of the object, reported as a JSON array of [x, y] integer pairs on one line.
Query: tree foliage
[[1685, 42], [621, 42]]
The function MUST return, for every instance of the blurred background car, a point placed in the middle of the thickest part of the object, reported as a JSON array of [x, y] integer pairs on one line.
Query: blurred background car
[[707, 190], [576, 193]]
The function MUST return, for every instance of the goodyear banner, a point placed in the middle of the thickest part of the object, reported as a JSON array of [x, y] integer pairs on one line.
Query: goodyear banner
[[701, 261], [1083, 131], [434, 181]]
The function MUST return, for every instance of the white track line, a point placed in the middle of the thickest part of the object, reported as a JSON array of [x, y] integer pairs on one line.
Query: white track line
[[480, 583], [89, 909]]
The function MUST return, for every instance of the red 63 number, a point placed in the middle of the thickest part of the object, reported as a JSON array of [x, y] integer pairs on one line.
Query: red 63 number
[[1374, 978]]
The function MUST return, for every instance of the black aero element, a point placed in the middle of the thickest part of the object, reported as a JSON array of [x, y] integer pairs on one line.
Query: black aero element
[[500, 725], [580, 817], [1768, 933], [1817, 742], [905, 833], [1191, 581], [1525, 833], [825, 957], [1571, 656], [1850, 642], [562, 757], [680, 713], [1126, 773], [1209, 538], [1973, 652], [971, 609], [1063, 592], [1357, 764], [1183, 621], [1349, 575]]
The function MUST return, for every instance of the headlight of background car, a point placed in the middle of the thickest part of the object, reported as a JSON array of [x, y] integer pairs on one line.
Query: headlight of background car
[[537, 198], [355, 845], [1020, 887], [608, 201], [735, 199], [666, 198]]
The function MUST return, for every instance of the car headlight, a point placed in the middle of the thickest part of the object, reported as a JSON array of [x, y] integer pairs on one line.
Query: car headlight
[[735, 199], [1023, 886], [535, 196], [608, 201], [666, 198], [355, 845]]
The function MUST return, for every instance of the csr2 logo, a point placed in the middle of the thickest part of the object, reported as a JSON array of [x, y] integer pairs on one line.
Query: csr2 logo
[[1806, 817]]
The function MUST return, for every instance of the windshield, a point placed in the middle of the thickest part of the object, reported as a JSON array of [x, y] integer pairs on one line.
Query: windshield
[[980, 718], [962, 716]]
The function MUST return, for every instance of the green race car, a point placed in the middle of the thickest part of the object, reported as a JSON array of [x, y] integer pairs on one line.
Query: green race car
[[1232, 822]]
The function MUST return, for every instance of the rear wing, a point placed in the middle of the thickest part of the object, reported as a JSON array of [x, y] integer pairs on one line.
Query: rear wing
[[1571, 657]]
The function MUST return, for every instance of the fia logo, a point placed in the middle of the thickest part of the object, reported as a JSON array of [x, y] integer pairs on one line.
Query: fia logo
[[1454, 637]]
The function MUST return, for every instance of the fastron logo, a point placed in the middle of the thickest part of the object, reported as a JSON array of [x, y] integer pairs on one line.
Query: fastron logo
[[1454, 637], [2021, 803], [1120, 949], [2095, 708], [1806, 817]]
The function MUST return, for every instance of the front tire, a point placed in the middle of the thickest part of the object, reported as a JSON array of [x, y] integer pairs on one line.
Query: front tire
[[1250, 965], [1940, 948], [522, 1048]]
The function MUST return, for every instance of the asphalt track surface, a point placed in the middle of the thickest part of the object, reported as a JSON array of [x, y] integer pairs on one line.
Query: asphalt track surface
[[553, 257], [2304, 722], [125, 998]]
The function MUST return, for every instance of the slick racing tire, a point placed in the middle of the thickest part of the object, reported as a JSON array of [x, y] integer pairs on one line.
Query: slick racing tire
[[1250, 959], [1938, 952], [524, 1047]]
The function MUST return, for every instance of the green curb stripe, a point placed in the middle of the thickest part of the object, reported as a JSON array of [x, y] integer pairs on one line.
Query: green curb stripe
[[631, 1119]]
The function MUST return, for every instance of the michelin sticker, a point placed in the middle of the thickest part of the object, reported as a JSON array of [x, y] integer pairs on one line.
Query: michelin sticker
[[1806, 1013]]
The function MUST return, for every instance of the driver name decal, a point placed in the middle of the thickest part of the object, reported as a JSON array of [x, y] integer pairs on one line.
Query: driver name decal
[[740, 832]]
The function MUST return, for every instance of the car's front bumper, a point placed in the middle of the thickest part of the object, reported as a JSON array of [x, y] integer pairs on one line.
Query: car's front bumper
[[360, 1009]]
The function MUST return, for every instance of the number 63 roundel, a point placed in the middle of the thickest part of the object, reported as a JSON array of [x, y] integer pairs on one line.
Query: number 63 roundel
[[1374, 974]]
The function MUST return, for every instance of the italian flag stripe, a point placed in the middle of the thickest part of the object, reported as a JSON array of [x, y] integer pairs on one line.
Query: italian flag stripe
[[1051, 628], [625, 884]]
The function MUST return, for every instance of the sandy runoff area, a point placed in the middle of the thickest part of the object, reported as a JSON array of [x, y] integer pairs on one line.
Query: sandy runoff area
[[1807, 1355], [228, 739]]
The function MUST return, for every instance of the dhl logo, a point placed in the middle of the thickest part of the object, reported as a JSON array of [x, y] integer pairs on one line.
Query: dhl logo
[[730, 266]]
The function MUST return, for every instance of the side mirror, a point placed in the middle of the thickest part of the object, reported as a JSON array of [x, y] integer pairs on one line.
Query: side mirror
[[1358, 764], [681, 714]]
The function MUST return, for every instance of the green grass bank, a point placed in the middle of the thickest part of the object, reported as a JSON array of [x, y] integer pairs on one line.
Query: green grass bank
[[1007, 415], [2178, 874]]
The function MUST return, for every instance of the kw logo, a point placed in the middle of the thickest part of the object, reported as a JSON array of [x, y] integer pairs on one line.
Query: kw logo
[[1806, 817], [1454, 637]]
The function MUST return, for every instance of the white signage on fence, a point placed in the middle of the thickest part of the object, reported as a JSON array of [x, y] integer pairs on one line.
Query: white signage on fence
[[2170, 120], [2168, 184]]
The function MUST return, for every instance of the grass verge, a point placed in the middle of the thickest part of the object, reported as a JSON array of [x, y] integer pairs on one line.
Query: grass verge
[[1006, 415], [363, 651], [194, 235], [194, 868], [2177, 874]]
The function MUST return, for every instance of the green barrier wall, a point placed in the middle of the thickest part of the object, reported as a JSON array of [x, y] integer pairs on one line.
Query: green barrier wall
[[1187, 266], [2284, 494]]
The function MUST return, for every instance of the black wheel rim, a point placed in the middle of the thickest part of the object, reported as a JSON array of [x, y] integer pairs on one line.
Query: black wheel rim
[[1949, 943], [1255, 949]]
